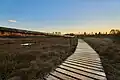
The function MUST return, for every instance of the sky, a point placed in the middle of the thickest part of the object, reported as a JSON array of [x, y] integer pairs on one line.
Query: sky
[[61, 15]]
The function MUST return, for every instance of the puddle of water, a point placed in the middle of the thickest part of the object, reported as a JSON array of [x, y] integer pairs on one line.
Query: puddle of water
[[26, 44]]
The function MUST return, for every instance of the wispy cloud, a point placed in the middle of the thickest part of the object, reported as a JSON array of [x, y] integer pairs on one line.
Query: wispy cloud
[[13, 21]]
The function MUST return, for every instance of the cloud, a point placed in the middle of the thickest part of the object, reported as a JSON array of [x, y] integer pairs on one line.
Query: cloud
[[13, 21]]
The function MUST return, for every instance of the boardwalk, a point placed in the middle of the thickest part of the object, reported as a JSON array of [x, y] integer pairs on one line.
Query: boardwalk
[[84, 64]]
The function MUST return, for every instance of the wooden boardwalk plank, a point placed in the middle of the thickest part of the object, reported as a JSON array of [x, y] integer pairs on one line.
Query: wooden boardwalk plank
[[63, 76], [76, 75], [84, 64], [83, 72]]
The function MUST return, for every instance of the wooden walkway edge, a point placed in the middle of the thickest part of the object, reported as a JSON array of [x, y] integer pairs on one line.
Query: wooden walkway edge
[[84, 64]]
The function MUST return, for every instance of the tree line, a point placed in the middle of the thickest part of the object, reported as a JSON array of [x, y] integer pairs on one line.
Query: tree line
[[113, 32]]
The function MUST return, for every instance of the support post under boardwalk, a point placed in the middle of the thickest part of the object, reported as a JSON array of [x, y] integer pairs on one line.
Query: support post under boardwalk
[[84, 64]]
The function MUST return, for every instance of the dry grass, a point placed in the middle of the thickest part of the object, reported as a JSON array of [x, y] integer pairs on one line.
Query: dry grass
[[19, 62], [109, 53]]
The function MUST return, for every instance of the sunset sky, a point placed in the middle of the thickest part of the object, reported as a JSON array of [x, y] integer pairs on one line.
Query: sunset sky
[[61, 15]]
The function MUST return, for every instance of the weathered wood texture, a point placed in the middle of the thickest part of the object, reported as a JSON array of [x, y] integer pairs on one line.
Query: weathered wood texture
[[84, 64]]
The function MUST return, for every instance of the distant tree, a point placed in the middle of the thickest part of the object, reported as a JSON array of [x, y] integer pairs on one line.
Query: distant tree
[[106, 33], [115, 32], [55, 32], [71, 34], [85, 33], [112, 32], [95, 33], [59, 33], [91, 33], [99, 33]]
